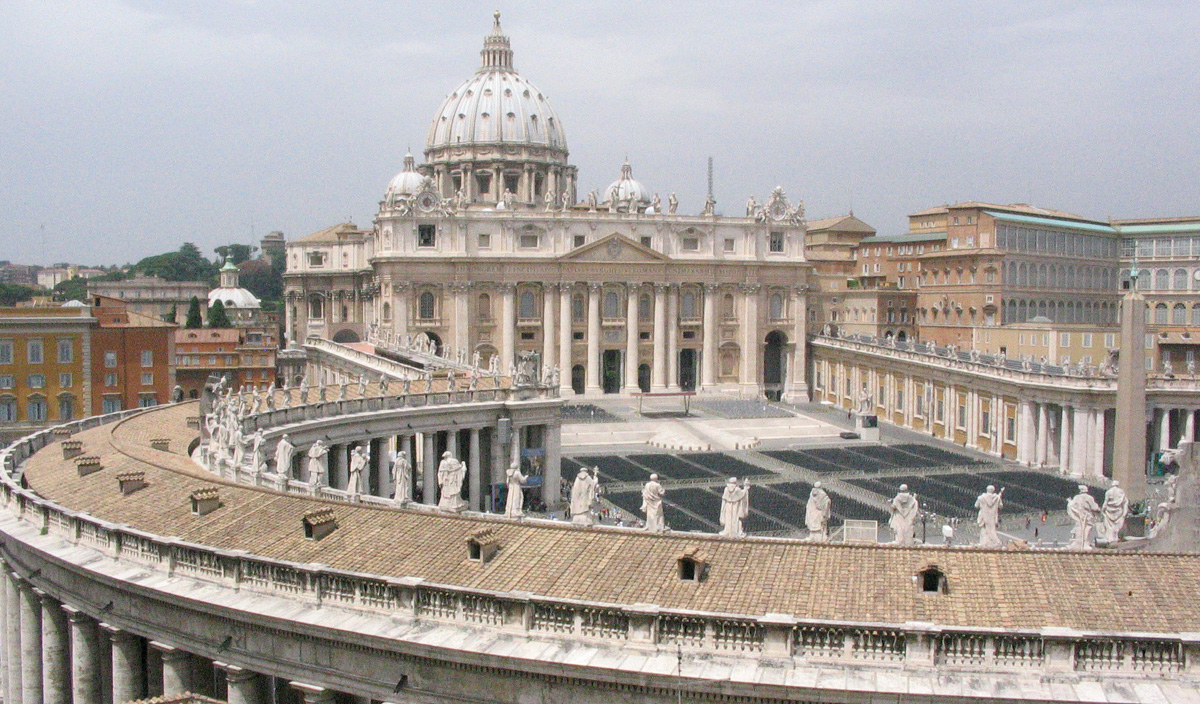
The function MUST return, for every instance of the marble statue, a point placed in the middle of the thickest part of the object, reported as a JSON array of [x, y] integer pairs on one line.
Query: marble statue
[[751, 207], [237, 443], [612, 201], [652, 505], [359, 457], [905, 510], [362, 386], [514, 505], [865, 403], [460, 199], [735, 507], [656, 204], [450, 475], [710, 205], [551, 199], [989, 504], [177, 394], [323, 394], [510, 199], [1191, 367], [672, 204], [384, 383], [1114, 511], [583, 495], [591, 201], [1082, 510], [284, 452], [405, 385], [566, 201], [258, 462], [401, 478], [816, 514], [271, 398], [316, 463], [343, 388]]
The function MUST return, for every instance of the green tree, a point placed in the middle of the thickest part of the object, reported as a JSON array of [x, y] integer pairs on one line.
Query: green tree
[[263, 279], [217, 317], [236, 253], [171, 315], [12, 294], [187, 264], [73, 289], [194, 320]]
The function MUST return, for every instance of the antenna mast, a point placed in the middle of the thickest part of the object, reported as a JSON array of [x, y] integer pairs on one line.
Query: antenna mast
[[710, 174]]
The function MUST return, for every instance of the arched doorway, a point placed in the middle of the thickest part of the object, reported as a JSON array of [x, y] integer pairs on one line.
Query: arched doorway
[[346, 336], [577, 379], [610, 371], [774, 357], [689, 371], [644, 378], [901, 336], [437, 342]]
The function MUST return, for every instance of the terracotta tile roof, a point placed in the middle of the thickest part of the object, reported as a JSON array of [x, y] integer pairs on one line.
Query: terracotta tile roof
[[332, 234], [1096, 591]]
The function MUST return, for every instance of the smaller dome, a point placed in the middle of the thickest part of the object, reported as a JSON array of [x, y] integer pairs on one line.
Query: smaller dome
[[408, 181], [627, 187]]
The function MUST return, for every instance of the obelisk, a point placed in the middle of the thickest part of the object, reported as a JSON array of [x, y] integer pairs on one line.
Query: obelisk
[[1129, 441]]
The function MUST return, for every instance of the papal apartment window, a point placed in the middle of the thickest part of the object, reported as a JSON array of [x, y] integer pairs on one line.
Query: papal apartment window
[[426, 235], [6, 352], [147, 358], [776, 242], [529, 241], [34, 352], [110, 359], [485, 241], [66, 352]]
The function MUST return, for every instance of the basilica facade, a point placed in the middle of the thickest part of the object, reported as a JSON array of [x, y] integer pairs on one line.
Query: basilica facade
[[488, 248]]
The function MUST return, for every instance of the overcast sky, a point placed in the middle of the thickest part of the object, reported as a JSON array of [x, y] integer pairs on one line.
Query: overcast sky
[[127, 128]]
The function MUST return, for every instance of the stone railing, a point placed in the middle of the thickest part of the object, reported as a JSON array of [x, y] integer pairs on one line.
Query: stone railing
[[769, 636]]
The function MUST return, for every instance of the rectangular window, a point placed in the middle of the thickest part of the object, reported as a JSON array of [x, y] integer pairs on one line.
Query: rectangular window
[[66, 408], [110, 379], [691, 244], [34, 352], [147, 401], [485, 241], [6, 381], [65, 381], [776, 242], [36, 381], [1064, 339], [148, 379], [529, 241], [37, 409], [8, 410], [580, 240], [1110, 340], [111, 404], [147, 358], [729, 244], [110, 359], [1010, 429], [1087, 339], [646, 241], [66, 352], [962, 414], [316, 259], [6, 352], [426, 235]]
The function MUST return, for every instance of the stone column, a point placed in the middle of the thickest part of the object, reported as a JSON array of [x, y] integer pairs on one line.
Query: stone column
[[1079, 440], [565, 339], [631, 340], [31, 645], [1189, 426], [549, 340], [973, 421], [473, 469], [241, 684], [1064, 440], [708, 357], [459, 292], [552, 468], [673, 338], [85, 658], [400, 293], [379, 468], [508, 327], [1024, 432], [593, 340], [56, 673], [658, 374], [1098, 444], [127, 673], [4, 570], [12, 638], [1164, 430], [751, 343], [429, 465], [797, 378], [176, 669], [499, 466], [1043, 435]]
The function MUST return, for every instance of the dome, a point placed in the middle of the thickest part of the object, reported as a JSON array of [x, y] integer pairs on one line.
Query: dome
[[229, 293], [626, 187], [408, 181], [496, 105]]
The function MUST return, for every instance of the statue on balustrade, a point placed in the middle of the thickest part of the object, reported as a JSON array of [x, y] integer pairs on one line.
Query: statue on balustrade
[[514, 504], [237, 443], [343, 389], [710, 205], [866, 404], [401, 478], [1114, 510], [303, 390], [316, 463], [362, 386], [271, 397], [359, 457], [905, 510], [672, 203], [405, 385], [450, 477], [384, 384], [652, 505], [816, 514], [322, 394], [1082, 510], [551, 199], [583, 496], [592, 201], [258, 460], [284, 452], [989, 504], [735, 507]]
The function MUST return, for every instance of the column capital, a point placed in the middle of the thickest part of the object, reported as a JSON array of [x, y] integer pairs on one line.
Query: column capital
[[661, 288], [595, 286], [233, 673], [168, 653], [634, 286], [117, 635], [750, 288], [312, 693], [711, 288]]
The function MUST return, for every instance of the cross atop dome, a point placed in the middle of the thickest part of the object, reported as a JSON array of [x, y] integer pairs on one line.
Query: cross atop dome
[[497, 53]]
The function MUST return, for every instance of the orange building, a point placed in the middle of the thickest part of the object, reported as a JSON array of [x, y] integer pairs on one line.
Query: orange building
[[44, 366], [132, 356], [240, 355]]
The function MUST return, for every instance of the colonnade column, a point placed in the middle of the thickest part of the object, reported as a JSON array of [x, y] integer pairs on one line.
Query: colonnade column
[[1064, 440], [176, 669], [631, 340], [1043, 435], [508, 326], [552, 468], [658, 374], [31, 644], [1164, 430], [708, 359], [593, 340], [797, 381], [673, 338], [565, 338], [750, 343], [1189, 426], [1024, 432], [378, 468], [1079, 444], [1098, 444], [56, 673], [85, 657], [473, 469], [429, 473], [549, 341], [12, 637], [241, 684], [127, 675]]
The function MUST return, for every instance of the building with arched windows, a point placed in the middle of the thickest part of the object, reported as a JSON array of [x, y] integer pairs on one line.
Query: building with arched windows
[[488, 249]]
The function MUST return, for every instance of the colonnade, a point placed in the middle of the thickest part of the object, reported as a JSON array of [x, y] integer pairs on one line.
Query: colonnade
[[1171, 427], [1074, 438]]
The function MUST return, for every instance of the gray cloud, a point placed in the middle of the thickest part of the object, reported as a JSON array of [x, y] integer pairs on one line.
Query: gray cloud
[[130, 127]]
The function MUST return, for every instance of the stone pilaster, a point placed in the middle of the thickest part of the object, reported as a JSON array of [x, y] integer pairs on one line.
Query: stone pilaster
[[85, 658]]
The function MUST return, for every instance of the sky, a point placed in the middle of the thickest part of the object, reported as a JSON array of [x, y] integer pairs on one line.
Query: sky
[[129, 127]]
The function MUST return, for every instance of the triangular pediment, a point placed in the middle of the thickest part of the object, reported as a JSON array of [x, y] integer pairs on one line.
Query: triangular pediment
[[614, 248]]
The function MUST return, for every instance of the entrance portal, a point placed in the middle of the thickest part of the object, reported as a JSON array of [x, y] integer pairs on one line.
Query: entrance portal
[[774, 359], [577, 379], [688, 363], [644, 378], [611, 371]]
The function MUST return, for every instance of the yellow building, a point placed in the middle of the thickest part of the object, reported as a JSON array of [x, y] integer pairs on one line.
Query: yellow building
[[44, 367]]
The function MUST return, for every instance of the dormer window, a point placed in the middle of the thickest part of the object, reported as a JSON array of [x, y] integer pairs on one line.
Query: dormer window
[[692, 566], [932, 580]]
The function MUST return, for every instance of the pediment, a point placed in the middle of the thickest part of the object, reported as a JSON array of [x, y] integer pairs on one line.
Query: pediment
[[614, 248]]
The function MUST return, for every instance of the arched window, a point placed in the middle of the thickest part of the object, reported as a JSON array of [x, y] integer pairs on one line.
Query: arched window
[[776, 306], [1042, 276], [612, 305], [1160, 314], [1179, 314], [425, 306], [687, 305], [727, 307], [316, 308], [387, 311], [578, 308], [484, 306], [1181, 280], [526, 305], [1162, 280], [1196, 314]]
